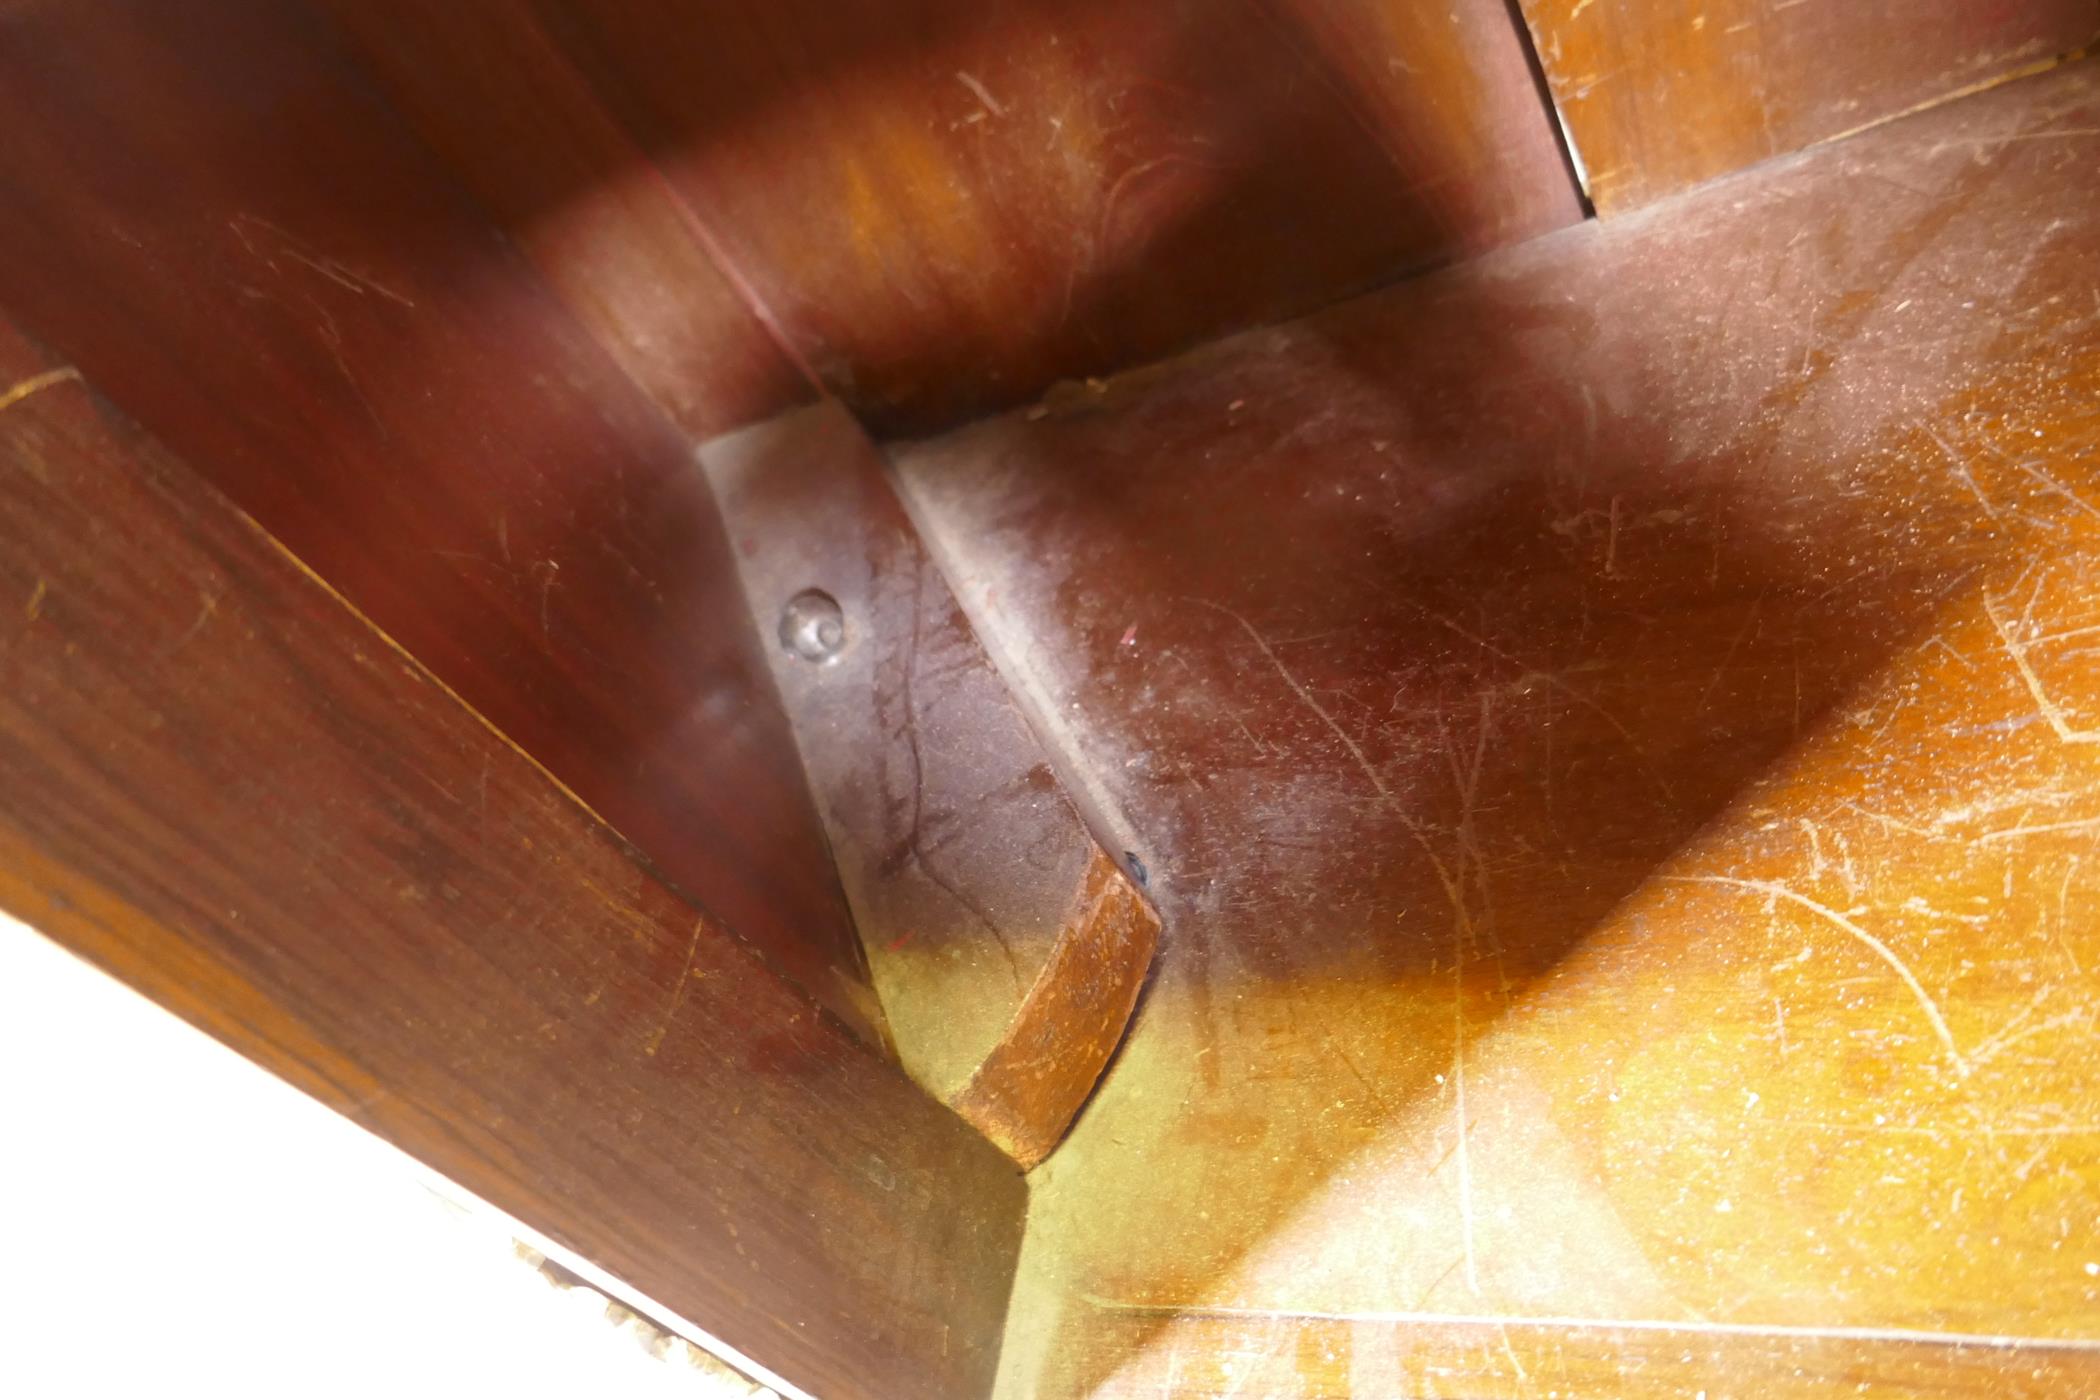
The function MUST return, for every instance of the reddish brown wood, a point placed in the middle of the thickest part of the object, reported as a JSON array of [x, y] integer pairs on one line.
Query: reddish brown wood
[[1007, 946], [950, 203], [1614, 730], [1659, 95], [220, 784], [1032, 1084], [210, 213], [517, 125]]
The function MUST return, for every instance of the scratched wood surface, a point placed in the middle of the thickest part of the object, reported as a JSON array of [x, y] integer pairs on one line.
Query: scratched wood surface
[[1659, 95], [1333, 1357], [1007, 946], [490, 90], [948, 204], [222, 785], [211, 213], [1615, 734]]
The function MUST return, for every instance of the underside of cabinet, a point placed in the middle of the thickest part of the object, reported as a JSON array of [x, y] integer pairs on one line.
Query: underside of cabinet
[[1062, 700]]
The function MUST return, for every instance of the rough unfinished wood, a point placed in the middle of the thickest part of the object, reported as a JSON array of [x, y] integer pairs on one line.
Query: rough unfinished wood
[[1008, 947], [1658, 95], [1612, 729], [222, 785], [948, 204], [207, 209]]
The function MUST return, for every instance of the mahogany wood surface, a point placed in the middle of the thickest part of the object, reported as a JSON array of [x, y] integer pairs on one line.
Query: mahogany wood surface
[[222, 785], [1659, 95], [505, 108], [1614, 730], [949, 204], [210, 211]]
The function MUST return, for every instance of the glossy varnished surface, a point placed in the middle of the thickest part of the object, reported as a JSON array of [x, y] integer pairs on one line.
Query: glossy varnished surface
[[212, 213], [1659, 95], [1008, 948], [1226, 1354], [947, 204], [1613, 733], [501, 103], [222, 785]]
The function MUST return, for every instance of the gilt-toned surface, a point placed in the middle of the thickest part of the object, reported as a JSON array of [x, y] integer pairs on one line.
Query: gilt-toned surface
[[1615, 733]]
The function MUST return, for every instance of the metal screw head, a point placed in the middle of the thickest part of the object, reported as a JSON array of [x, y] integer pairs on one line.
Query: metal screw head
[[812, 626]]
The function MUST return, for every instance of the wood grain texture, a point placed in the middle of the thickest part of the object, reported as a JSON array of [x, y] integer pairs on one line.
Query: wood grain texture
[[1658, 96], [517, 125], [1007, 946], [1612, 729], [220, 784], [209, 212], [950, 204], [1033, 1083]]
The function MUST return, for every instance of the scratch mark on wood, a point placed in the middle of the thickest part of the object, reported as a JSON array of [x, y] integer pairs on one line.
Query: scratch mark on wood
[[1942, 644], [1464, 1150], [2017, 652], [1555, 683], [981, 93], [685, 975], [2056, 488], [1774, 890], [2063, 896], [209, 605], [1961, 469], [299, 251], [2017, 1029], [2066, 635], [1887, 822], [1750, 624], [1502, 1332], [1987, 144], [2015, 833], [36, 384], [1306, 698], [546, 570]]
